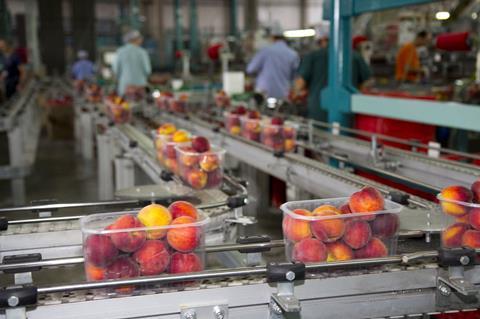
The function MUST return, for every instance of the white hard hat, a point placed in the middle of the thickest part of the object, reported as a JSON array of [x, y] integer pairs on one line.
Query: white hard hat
[[322, 31], [82, 54], [131, 35]]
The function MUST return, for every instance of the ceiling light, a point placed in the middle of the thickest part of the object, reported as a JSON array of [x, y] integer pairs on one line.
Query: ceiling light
[[442, 15], [303, 33]]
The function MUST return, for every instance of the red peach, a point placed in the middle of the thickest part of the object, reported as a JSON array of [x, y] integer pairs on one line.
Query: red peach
[[94, 273], [155, 215], [183, 208], [296, 229], [124, 267], [463, 219], [276, 121], [153, 258], [476, 191], [357, 234], [170, 151], [455, 193], [289, 133], [452, 236], [328, 230], [172, 165], [200, 144], [345, 209], [197, 179], [127, 241], [471, 239], [99, 250], [309, 250], [209, 162], [374, 249], [385, 225], [252, 114], [339, 251], [182, 263], [474, 218], [215, 178], [366, 201], [183, 238]]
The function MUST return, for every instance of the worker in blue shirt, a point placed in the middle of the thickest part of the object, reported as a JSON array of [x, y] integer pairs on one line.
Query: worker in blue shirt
[[132, 63], [83, 69], [275, 67]]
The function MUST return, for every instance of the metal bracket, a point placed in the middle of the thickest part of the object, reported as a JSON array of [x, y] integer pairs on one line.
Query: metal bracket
[[285, 275], [457, 282], [215, 311]]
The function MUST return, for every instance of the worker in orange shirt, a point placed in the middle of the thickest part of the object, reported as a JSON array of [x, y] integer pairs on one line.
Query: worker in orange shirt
[[408, 68]]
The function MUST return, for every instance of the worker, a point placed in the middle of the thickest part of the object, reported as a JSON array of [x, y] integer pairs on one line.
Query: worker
[[408, 68], [83, 69], [132, 63], [12, 72], [313, 76], [275, 66]]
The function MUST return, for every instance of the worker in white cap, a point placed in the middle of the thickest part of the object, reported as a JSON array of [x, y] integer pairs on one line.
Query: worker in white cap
[[313, 75], [83, 69], [275, 66], [132, 63]]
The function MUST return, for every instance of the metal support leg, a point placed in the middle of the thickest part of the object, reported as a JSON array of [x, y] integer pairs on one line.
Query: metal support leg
[[105, 171], [87, 135], [124, 173], [17, 158]]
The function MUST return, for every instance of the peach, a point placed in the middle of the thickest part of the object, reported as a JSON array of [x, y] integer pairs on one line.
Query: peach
[[182, 208], [253, 114], [309, 250], [153, 258], [463, 219], [345, 209], [183, 238], [235, 130], [181, 136], [215, 178], [366, 201], [170, 151], [385, 225], [471, 239], [200, 144], [94, 273], [476, 191], [357, 234], [124, 267], [167, 129], [327, 230], [127, 241], [374, 249], [455, 193], [172, 165], [209, 162], [339, 251], [188, 157], [474, 218], [99, 250], [296, 229], [155, 215], [289, 145], [452, 236], [253, 126], [276, 121], [197, 179], [289, 133], [181, 263]]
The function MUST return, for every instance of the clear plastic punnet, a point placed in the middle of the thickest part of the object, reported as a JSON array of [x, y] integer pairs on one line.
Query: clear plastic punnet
[[325, 230], [201, 170], [251, 128], [120, 246], [166, 153], [461, 221]]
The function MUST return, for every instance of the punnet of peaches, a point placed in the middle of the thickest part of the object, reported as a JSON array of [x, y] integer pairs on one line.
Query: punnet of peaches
[[272, 132], [364, 225], [118, 109], [461, 210], [152, 241], [197, 162]]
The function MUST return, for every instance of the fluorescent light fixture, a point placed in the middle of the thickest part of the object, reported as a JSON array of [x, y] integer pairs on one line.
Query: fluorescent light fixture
[[302, 33], [442, 15]]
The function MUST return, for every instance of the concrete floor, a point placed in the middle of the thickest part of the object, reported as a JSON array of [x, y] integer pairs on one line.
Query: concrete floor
[[58, 174]]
